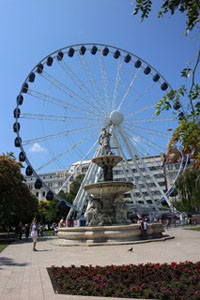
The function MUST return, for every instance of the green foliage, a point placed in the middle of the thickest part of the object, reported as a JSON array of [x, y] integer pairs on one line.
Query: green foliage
[[188, 135], [188, 186], [191, 7], [51, 211], [16, 202], [144, 7], [190, 90], [10, 155], [76, 185]]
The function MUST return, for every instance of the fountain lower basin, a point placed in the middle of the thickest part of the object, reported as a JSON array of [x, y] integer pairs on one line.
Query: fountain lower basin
[[108, 188], [106, 234]]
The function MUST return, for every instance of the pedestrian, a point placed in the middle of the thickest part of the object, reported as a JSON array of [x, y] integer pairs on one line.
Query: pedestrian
[[61, 223], [34, 233], [20, 230], [27, 230], [143, 227], [167, 223]]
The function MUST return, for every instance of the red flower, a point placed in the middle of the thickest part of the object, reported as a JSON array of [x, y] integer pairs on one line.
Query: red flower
[[173, 265]]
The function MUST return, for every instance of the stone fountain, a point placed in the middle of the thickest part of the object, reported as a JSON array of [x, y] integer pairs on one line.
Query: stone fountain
[[106, 199], [106, 213]]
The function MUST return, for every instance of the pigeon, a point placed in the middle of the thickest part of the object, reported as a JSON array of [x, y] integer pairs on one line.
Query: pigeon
[[131, 249]]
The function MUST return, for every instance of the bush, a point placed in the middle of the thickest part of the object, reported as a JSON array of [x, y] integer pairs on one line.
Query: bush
[[159, 281]]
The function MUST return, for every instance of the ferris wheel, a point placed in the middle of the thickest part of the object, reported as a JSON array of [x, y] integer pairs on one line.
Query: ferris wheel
[[74, 92]]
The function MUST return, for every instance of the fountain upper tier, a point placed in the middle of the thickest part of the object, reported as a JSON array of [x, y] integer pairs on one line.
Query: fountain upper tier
[[107, 160]]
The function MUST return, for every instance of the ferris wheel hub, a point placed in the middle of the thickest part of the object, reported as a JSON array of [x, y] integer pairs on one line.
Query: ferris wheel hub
[[116, 117]]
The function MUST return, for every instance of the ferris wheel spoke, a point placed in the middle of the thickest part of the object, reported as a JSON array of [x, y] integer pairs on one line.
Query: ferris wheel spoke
[[78, 83], [129, 89], [58, 135], [92, 81], [133, 157], [87, 105], [141, 149], [78, 165], [152, 178], [53, 100], [124, 161], [151, 131], [136, 99], [140, 110], [58, 102], [117, 81], [66, 151], [151, 120], [138, 137], [105, 82], [136, 154], [55, 118]]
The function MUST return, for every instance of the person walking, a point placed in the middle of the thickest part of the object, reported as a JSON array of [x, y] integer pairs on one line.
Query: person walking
[[143, 226], [20, 230], [34, 233], [27, 231], [167, 223]]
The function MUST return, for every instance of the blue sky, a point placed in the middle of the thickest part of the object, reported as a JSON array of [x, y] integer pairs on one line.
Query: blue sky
[[30, 30]]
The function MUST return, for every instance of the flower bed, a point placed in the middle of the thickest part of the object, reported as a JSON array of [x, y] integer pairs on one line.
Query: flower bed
[[159, 281]]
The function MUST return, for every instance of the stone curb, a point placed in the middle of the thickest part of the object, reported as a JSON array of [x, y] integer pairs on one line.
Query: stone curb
[[164, 238]]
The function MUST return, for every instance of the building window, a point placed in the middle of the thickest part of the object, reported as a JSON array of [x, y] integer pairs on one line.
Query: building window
[[170, 167], [149, 201], [127, 196], [43, 194], [117, 172], [177, 166], [37, 194]]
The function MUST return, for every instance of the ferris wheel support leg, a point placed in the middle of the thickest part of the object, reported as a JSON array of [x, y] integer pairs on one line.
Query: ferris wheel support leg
[[137, 167], [81, 196], [153, 178], [120, 152]]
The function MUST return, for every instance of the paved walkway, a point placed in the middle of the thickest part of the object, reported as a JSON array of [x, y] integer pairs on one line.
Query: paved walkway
[[23, 274]]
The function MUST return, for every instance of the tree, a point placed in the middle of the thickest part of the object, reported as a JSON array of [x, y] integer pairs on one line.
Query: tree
[[188, 187], [52, 211], [189, 90], [76, 185], [43, 207], [16, 202], [191, 7]]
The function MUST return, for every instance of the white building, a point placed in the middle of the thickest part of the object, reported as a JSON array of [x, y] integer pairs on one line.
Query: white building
[[55, 180]]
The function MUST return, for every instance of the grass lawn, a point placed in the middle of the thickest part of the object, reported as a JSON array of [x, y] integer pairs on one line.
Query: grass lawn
[[193, 228], [48, 233], [4, 244]]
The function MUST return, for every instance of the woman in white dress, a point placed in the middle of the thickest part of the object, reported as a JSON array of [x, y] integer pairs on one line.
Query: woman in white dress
[[34, 233]]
